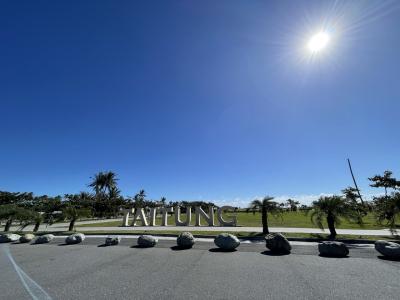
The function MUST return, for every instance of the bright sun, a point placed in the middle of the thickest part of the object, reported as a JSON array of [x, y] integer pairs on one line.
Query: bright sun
[[318, 42]]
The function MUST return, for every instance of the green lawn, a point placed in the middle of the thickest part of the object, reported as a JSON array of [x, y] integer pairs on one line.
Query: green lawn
[[289, 219]]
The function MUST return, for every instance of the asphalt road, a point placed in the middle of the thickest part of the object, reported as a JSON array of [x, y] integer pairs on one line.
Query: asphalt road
[[92, 271]]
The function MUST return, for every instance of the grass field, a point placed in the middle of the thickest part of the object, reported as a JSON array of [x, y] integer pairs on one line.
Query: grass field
[[289, 219]]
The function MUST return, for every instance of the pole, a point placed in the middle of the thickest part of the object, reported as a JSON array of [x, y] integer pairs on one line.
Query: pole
[[354, 180]]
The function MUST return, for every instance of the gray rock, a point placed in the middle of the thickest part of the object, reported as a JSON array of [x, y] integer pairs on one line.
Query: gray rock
[[75, 238], [26, 238], [226, 241], [9, 237], [185, 240], [147, 241], [333, 249], [113, 240], [277, 243], [388, 249], [44, 239]]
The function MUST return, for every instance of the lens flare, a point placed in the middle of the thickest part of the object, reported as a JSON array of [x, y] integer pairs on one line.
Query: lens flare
[[318, 42]]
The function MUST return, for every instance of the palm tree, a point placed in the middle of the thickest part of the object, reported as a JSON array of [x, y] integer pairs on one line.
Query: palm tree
[[265, 206], [292, 204], [332, 209], [73, 213], [163, 200], [103, 182], [139, 199]]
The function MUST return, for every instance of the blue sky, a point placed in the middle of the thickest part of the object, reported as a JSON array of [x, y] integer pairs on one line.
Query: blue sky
[[198, 100]]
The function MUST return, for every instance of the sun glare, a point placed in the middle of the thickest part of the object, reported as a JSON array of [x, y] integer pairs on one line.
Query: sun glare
[[318, 42]]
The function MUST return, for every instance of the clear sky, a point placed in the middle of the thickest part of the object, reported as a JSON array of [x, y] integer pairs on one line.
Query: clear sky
[[198, 100]]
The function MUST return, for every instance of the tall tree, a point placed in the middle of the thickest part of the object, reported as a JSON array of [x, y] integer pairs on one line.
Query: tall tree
[[387, 207], [265, 206], [386, 181]]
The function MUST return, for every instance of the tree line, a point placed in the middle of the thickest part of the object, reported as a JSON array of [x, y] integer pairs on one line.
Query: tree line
[[349, 205], [103, 201]]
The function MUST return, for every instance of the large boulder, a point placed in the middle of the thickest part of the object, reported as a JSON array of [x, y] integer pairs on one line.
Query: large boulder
[[47, 238], [147, 241], [277, 243], [226, 241], [75, 238], [112, 240], [9, 237], [185, 240], [388, 249], [333, 249], [26, 238]]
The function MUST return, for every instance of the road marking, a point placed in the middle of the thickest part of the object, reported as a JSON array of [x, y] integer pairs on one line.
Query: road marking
[[34, 289]]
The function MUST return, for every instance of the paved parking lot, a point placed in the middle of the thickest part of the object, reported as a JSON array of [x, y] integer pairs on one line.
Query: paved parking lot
[[90, 270]]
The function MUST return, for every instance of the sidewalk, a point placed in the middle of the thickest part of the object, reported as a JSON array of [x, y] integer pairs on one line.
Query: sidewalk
[[59, 227]]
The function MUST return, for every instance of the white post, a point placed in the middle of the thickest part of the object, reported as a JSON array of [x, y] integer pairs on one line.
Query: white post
[[164, 215], [209, 218], [125, 219], [223, 222], [139, 214], [178, 221], [153, 212]]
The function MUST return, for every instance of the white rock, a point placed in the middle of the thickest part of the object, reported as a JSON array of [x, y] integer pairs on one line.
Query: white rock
[[9, 237], [388, 249], [75, 238], [44, 239], [277, 243], [185, 240], [113, 240], [334, 249], [147, 241], [227, 241], [26, 238]]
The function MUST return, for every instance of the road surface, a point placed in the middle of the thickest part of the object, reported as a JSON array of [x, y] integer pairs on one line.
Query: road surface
[[92, 271]]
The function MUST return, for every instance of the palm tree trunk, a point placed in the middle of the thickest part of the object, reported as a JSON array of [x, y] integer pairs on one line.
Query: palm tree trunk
[[8, 225], [36, 228], [72, 225], [264, 218], [331, 225]]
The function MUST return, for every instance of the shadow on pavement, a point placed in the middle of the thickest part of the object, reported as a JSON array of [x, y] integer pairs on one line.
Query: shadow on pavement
[[140, 247], [389, 258], [221, 250], [178, 248], [332, 256], [270, 253]]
